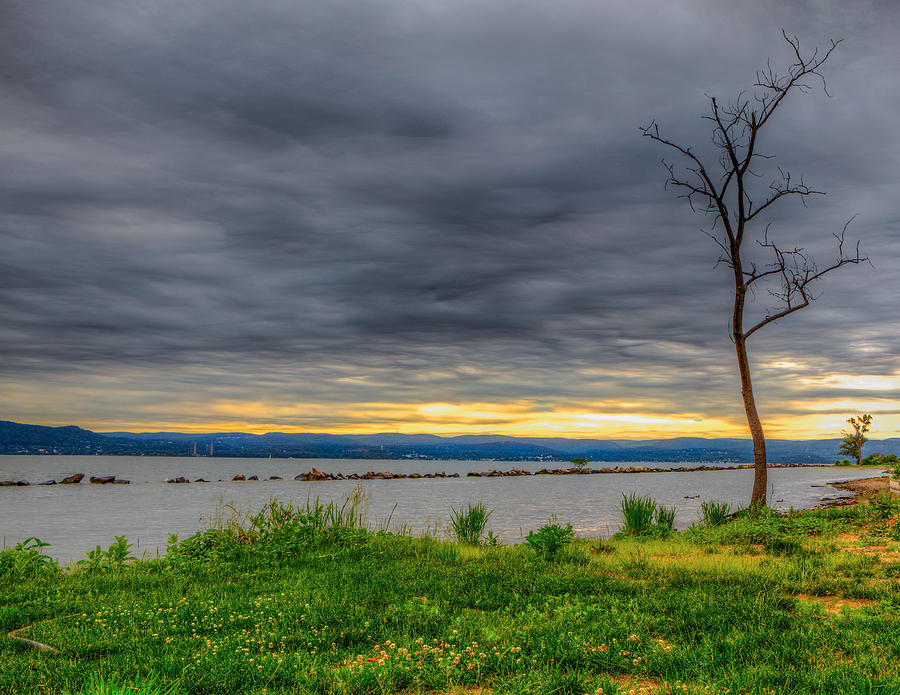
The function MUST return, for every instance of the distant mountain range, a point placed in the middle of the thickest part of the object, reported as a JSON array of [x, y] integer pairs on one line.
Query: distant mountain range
[[16, 438]]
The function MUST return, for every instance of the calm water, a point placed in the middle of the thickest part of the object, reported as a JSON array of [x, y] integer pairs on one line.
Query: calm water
[[75, 518]]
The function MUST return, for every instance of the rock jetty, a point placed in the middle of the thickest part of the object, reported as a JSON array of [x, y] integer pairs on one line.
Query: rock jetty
[[108, 480], [316, 474]]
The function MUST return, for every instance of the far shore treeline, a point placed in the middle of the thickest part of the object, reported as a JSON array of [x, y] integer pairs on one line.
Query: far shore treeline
[[16, 438]]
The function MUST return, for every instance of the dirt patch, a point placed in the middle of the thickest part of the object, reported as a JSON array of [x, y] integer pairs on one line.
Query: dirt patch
[[885, 553], [860, 488], [834, 604], [638, 686]]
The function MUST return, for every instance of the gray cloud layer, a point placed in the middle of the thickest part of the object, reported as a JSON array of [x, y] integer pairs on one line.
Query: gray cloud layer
[[450, 199]]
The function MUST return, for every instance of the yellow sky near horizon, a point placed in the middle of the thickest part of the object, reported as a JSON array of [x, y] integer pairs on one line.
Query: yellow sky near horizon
[[457, 419], [800, 406]]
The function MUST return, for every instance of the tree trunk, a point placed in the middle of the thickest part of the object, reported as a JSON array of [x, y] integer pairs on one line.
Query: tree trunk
[[760, 472]]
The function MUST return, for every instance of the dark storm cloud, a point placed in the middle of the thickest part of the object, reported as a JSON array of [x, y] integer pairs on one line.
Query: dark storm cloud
[[288, 190]]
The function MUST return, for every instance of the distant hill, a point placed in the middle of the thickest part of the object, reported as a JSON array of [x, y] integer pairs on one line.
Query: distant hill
[[17, 438]]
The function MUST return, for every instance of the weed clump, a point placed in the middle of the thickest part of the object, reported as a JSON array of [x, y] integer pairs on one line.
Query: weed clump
[[714, 513], [115, 556], [642, 516], [468, 525], [637, 513], [25, 559], [549, 539]]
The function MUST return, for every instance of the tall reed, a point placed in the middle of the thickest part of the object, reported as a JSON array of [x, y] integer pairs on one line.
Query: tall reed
[[467, 525], [637, 513], [714, 513]]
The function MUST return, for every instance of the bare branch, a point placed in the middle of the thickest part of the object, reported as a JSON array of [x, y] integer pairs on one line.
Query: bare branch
[[798, 272]]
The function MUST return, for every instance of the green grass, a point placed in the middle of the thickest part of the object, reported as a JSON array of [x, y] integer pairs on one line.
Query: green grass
[[306, 601]]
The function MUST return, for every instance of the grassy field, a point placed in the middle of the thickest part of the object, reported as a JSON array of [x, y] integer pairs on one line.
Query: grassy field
[[306, 601]]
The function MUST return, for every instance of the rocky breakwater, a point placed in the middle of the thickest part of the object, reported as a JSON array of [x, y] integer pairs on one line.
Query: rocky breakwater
[[316, 474], [495, 473], [645, 469], [108, 480], [69, 480]]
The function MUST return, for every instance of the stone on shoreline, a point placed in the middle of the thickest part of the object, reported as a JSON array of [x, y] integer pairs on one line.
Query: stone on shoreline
[[102, 479], [48, 482], [14, 483], [180, 479], [72, 479], [239, 476]]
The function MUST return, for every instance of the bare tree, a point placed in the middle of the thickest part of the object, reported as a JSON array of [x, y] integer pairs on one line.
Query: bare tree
[[725, 192]]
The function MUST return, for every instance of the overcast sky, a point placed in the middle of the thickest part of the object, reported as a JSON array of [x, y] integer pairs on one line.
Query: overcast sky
[[427, 215]]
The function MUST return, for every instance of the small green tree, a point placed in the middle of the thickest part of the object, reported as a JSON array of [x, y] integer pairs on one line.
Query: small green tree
[[853, 441], [581, 461]]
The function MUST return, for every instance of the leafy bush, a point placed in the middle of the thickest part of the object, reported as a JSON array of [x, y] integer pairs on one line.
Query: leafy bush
[[115, 556], [209, 545], [714, 513], [879, 459], [549, 539], [889, 461], [312, 518], [25, 559], [843, 462], [467, 525]]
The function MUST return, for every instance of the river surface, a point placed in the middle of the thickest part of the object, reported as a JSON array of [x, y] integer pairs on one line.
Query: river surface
[[76, 518]]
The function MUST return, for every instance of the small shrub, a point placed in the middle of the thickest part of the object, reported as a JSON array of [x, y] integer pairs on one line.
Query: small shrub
[[549, 539], [114, 556], [714, 513], [879, 459], [637, 513], [580, 462], [843, 462], [467, 525], [205, 546], [26, 559]]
